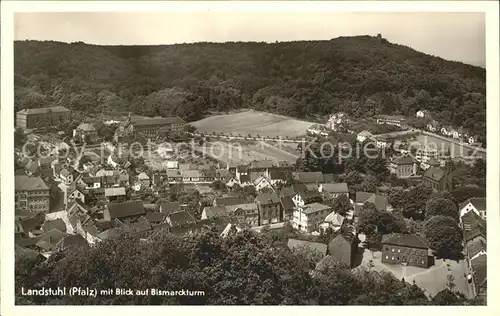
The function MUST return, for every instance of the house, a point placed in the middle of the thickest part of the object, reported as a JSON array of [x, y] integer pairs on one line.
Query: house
[[406, 248], [47, 243], [479, 274], [276, 177], [476, 205], [170, 207], [364, 135], [174, 175], [475, 248], [192, 176], [86, 132], [338, 122], [144, 179], [437, 178], [433, 126], [156, 218], [42, 117], [315, 249], [150, 127], [58, 224], [92, 182], [77, 194], [180, 218], [308, 177], [114, 194], [31, 194], [382, 141], [106, 173], [124, 211], [124, 179], [247, 213], [343, 249], [229, 200], [423, 154], [396, 120], [421, 114], [333, 220], [303, 197], [474, 228], [307, 218], [270, 209], [72, 241], [214, 211], [263, 182], [379, 201], [287, 206], [447, 131], [404, 167], [317, 129], [473, 139], [331, 191]]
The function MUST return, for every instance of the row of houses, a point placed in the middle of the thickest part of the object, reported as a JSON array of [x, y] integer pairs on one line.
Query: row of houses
[[473, 223]]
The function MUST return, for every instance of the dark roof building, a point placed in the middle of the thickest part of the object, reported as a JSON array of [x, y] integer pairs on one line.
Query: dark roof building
[[406, 248], [308, 177], [170, 207], [124, 210], [343, 249]]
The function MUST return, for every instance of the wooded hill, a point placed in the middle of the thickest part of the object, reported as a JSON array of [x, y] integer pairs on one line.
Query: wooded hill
[[361, 75]]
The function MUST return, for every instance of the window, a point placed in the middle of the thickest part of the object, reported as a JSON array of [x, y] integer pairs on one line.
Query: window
[[392, 249], [399, 250], [422, 261], [392, 258], [387, 257]]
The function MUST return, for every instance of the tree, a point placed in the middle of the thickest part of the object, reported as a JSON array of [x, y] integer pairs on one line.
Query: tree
[[341, 205], [441, 206], [444, 237], [388, 224], [368, 219]]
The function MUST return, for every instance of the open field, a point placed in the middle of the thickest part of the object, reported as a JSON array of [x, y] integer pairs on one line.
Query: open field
[[255, 123], [234, 153], [456, 150]]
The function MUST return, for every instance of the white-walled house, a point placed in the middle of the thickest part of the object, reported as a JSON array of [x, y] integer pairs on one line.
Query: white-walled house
[[307, 218], [364, 135], [263, 182], [476, 205]]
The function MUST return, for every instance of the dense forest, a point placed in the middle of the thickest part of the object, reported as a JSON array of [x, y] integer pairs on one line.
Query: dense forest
[[362, 76], [241, 269]]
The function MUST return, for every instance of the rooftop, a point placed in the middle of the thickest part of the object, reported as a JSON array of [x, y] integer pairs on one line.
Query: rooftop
[[120, 210], [478, 203], [314, 208], [406, 240], [53, 109], [158, 121], [267, 198], [26, 183], [114, 192]]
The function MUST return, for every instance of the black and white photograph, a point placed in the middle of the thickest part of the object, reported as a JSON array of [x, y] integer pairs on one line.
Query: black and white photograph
[[228, 155]]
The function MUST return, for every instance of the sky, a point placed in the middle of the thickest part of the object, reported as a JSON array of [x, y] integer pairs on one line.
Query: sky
[[452, 36]]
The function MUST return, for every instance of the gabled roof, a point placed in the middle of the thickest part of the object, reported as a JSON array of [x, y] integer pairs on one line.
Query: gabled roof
[[54, 224], [126, 209], [114, 192], [406, 240], [155, 217], [267, 198], [261, 164], [340, 249], [314, 208], [157, 121], [230, 200], [475, 246], [192, 173], [434, 173], [143, 176], [244, 207], [170, 207], [379, 201], [308, 177], [22, 252], [49, 240], [88, 127], [335, 187], [53, 109], [312, 246], [279, 175], [180, 218], [215, 211], [26, 183], [479, 268], [335, 219], [287, 202], [405, 160], [72, 241], [478, 203]]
